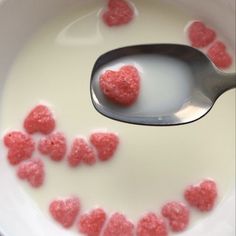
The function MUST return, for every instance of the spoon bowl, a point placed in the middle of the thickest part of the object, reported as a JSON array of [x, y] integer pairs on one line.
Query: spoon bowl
[[207, 84]]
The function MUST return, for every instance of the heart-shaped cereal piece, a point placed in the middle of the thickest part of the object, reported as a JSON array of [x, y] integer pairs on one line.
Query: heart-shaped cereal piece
[[119, 12], [151, 225], [105, 143], [202, 196], [40, 119], [81, 151], [121, 87], [200, 35], [177, 214], [91, 224], [219, 55], [65, 211], [20, 145], [118, 225], [54, 145], [32, 171]]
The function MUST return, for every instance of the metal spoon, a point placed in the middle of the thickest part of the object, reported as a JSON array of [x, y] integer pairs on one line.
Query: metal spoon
[[209, 84]]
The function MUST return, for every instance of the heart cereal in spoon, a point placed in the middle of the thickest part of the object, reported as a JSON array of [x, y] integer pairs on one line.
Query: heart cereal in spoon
[[121, 87]]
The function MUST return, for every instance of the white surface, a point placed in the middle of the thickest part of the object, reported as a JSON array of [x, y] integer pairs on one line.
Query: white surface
[[23, 205]]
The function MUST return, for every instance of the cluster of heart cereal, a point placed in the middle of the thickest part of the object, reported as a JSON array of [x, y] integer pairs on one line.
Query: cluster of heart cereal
[[120, 12], [175, 215], [202, 36], [21, 146]]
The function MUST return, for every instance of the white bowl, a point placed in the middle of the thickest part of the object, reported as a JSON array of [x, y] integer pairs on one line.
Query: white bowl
[[18, 20]]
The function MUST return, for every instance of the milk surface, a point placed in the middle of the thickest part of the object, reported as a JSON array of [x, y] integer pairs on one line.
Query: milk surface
[[153, 165]]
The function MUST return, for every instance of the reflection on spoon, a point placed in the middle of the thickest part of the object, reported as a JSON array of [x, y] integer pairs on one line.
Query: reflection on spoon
[[179, 84]]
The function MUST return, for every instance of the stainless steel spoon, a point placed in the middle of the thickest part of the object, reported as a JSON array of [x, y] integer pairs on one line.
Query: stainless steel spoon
[[209, 84]]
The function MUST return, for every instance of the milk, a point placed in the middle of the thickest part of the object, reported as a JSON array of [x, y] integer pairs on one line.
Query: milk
[[166, 85], [152, 165]]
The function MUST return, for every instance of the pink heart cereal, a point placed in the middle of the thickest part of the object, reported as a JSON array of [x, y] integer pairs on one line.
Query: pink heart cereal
[[177, 214], [219, 55], [200, 35], [105, 143], [65, 211], [81, 151], [151, 225], [91, 224], [202, 196], [20, 145], [40, 119], [32, 171], [119, 12], [54, 145], [121, 87], [118, 225]]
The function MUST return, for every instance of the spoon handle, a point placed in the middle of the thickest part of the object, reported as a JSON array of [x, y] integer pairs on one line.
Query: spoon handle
[[225, 81]]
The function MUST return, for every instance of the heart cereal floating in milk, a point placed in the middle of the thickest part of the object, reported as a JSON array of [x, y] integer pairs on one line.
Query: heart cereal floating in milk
[[21, 146], [106, 144], [65, 211], [118, 225], [53, 145], [119, 12], [177, 214], [121, 87], [91, 224], [81, 152], [200, 35], [202, 196], [32, 171], [151, 225], [41, 120], [219, 55]]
